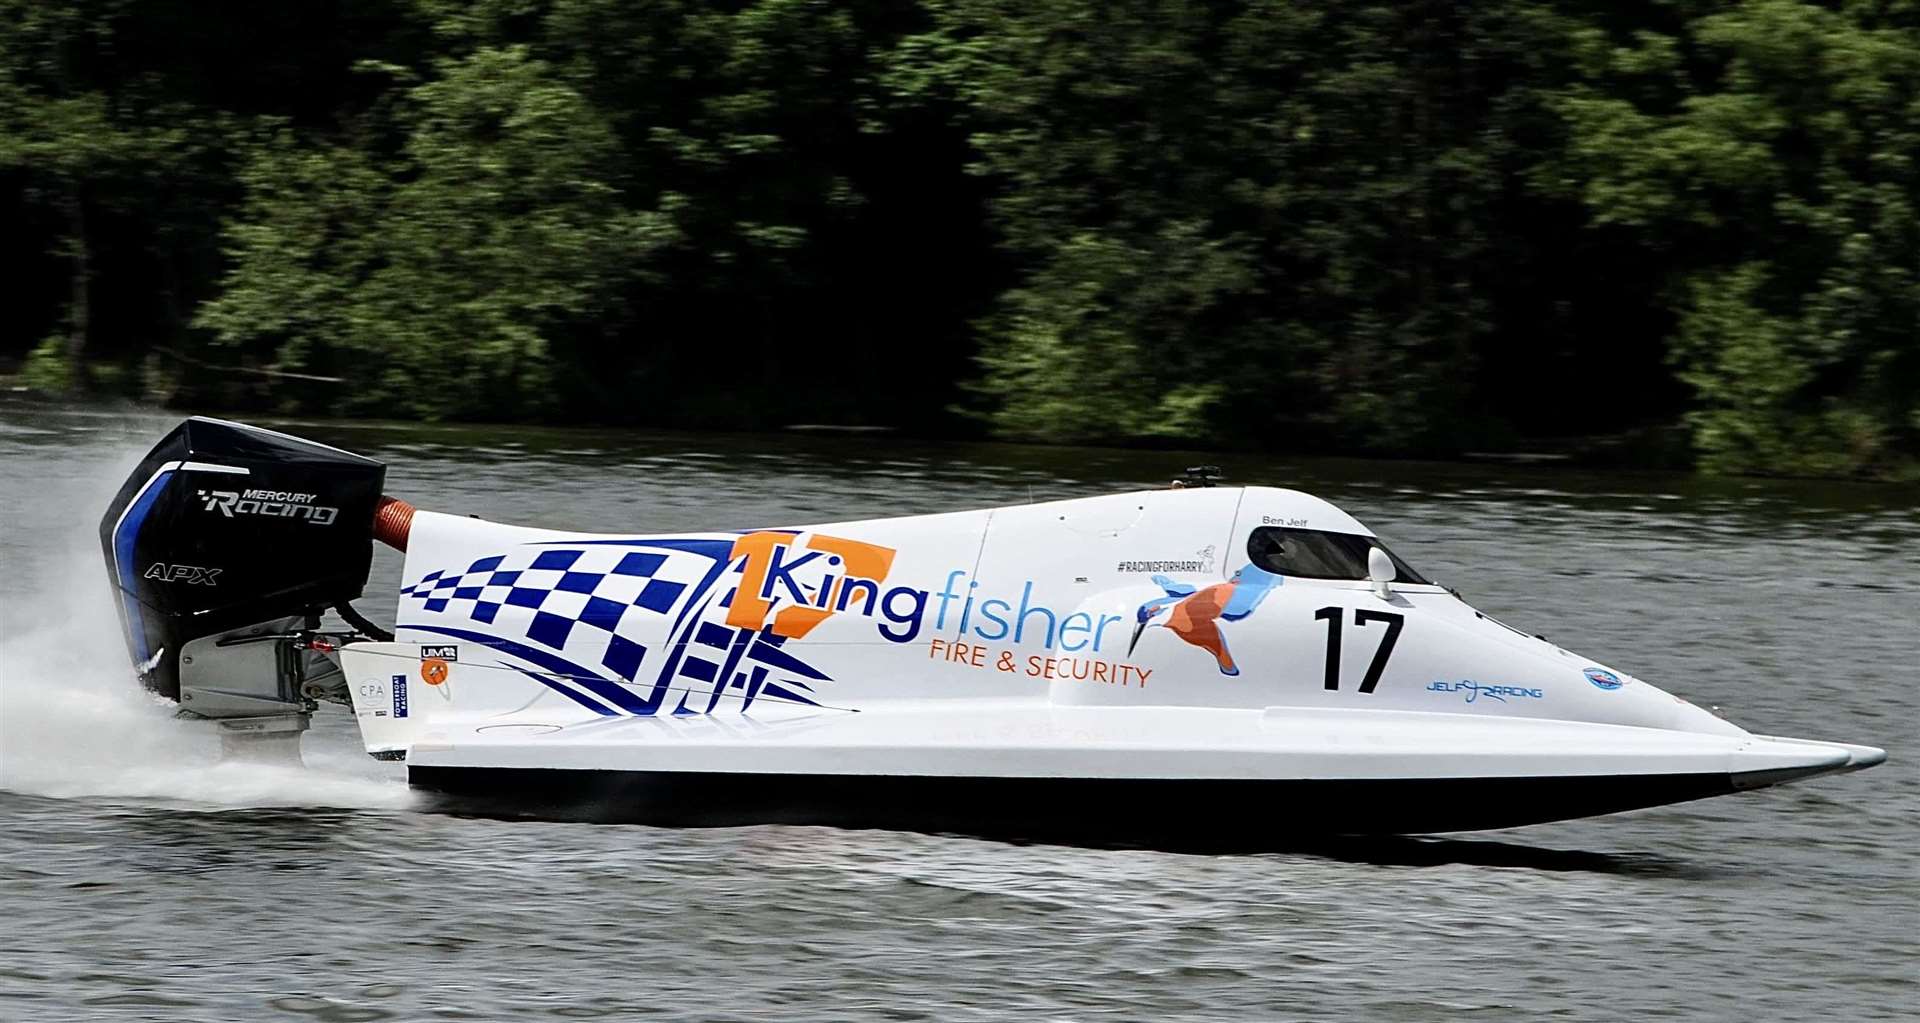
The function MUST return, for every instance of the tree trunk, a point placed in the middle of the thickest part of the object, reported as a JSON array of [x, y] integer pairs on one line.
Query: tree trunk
[[82, 273]]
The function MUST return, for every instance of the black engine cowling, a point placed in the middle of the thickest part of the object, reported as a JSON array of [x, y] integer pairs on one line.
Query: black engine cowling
[[225, 525]]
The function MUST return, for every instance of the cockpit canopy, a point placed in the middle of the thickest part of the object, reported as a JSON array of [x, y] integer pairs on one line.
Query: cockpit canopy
[[1320, 554]]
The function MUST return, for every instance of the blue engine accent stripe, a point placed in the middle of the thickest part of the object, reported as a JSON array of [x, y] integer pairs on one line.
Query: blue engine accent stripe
[[605, 688], [124, 536]]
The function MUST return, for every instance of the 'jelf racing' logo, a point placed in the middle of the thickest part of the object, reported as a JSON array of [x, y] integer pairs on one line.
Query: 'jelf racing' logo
[[1475, 690], [270, 503]]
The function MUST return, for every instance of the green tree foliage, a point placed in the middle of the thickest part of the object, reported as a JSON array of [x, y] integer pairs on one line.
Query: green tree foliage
[[89, 150], [448, 266], [1371, 226], [1271, 223], [570, 205], [1770, 153]]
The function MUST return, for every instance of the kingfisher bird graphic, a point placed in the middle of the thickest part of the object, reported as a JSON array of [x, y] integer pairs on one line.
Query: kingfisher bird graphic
[[1195, 613]]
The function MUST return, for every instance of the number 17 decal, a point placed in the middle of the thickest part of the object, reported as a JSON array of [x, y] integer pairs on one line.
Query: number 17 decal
[[1361, 617]]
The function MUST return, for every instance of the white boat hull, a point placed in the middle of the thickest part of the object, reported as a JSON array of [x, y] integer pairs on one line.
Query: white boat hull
[[1035, 768]]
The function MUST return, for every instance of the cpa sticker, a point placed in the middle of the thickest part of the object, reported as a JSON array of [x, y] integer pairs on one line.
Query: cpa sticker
[[433, 671]]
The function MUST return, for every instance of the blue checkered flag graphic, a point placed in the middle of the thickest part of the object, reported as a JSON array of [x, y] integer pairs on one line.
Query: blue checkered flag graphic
[[605, 605]]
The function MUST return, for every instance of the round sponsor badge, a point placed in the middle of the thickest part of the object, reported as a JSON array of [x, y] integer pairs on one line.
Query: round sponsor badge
[[433, 671]]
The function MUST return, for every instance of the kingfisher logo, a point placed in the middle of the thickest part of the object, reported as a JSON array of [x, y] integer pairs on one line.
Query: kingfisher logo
[[791, 582], [809, 582]]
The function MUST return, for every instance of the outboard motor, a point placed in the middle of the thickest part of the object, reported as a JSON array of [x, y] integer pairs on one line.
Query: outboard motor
[[224, 548]]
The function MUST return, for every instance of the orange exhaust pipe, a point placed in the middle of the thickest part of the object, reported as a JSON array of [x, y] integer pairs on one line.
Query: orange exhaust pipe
[[392, 521]]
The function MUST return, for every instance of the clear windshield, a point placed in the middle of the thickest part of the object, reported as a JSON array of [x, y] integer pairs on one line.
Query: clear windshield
[[1317, 554]]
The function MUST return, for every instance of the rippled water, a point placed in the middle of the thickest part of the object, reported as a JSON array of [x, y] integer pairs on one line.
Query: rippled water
[[140, 879]]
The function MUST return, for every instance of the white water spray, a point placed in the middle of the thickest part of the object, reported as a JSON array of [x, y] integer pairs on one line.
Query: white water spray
[[73, 721]]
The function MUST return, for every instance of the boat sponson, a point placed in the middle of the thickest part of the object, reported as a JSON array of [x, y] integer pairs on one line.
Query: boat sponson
[[1121, 810]]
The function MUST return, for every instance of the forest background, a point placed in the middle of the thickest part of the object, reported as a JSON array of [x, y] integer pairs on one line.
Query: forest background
[[1680, 232]]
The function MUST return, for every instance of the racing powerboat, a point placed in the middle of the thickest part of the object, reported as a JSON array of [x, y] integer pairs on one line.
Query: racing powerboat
[[1183, 657]]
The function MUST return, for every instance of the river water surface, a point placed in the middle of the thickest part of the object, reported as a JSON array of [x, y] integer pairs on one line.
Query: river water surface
[[142, 879]]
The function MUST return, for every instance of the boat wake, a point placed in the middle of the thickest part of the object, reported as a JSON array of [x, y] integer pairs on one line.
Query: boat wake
[[75, 724]]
